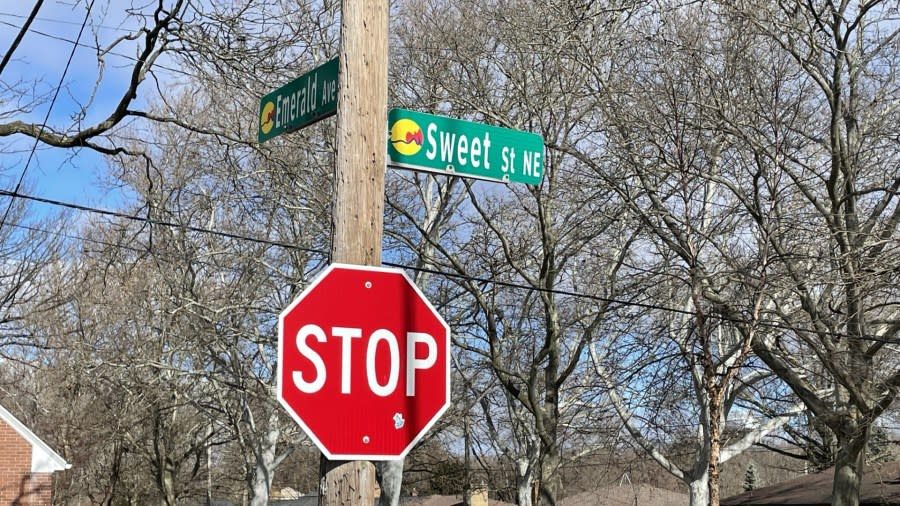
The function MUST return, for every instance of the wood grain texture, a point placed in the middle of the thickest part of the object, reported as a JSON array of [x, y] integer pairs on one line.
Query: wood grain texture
[[358, 218], [361, 133]]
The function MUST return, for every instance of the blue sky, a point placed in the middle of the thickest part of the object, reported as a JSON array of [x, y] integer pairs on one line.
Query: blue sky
[[37, 67]]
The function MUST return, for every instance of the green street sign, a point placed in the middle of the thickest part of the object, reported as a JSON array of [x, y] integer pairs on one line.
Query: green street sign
[[301, 102], [420, 141]]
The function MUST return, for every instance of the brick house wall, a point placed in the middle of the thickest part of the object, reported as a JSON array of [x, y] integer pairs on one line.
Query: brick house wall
[[18, 485], [26, 465]]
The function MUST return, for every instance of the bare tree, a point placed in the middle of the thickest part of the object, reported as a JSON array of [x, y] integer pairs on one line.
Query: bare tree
[[783, 110], [822, 186], [278, 194], [155, 33], [662, 156], [270, 206], [700, 411], [29, 256], [486, 65]]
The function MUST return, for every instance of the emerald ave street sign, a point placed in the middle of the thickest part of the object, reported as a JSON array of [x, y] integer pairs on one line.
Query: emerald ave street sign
[[303, 101], [432, 143]]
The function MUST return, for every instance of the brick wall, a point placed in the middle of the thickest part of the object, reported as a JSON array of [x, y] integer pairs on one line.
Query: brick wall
[[18, 487]]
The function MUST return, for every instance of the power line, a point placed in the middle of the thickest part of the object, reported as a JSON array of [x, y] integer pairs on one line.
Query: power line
[[165, 256], [438, 272], [24, 29], [49, 110], [408, 47], [64, 21], [152, 221], [114, 53]]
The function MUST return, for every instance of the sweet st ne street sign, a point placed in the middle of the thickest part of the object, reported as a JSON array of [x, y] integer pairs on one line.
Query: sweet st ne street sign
[[420, 141]]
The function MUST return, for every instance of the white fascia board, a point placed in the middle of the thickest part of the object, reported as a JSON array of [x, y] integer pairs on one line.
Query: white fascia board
[[43, 458]]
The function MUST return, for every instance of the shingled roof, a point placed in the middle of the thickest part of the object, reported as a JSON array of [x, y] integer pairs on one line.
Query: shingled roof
[[880, 486], [642, 494]]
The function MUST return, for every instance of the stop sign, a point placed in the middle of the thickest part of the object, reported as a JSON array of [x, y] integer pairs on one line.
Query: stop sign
[[363, 363]]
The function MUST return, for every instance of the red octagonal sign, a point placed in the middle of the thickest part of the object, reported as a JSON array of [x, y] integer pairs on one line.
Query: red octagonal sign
[[363, 363]]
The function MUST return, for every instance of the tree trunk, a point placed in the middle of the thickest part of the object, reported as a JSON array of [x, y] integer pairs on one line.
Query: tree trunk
[[848, 467], [524, 480], [167, 483], [390, 479], [699, 490], [550, 483], [264, 470], [715, 445], [259, 486]]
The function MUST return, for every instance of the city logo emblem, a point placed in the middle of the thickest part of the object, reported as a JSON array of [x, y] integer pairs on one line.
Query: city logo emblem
[[406, 137], [267, 118]]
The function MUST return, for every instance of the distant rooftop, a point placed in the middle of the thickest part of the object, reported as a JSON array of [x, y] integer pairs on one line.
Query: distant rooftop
[[880, 486]]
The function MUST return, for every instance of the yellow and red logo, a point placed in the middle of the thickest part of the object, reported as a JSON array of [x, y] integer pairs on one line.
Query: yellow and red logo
[[406, 137], [267, 118]]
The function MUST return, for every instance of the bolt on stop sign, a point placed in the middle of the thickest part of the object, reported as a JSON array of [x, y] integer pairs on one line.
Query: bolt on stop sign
[[363, 363]]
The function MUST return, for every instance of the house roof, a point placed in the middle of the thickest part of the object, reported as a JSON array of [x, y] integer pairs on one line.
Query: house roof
[[425, 500], [441, 500], [43, 458], [643, 494], [880, 486]]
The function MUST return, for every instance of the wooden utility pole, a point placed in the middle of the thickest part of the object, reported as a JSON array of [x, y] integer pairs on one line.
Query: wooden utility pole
[[361, 133], [358, 189]]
